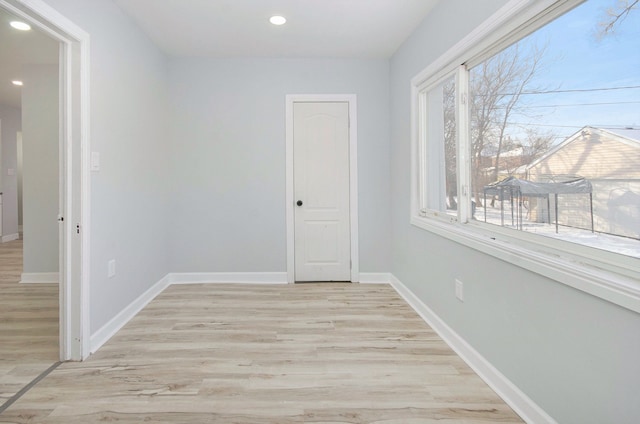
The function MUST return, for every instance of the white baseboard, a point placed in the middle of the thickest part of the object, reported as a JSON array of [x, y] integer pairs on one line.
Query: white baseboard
[[10, 237], [228, 277], [528, 410], [375, 278], [108, 330], [39, 278]]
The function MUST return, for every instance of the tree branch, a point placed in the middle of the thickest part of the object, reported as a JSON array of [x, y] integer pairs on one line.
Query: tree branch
[[619, 16]]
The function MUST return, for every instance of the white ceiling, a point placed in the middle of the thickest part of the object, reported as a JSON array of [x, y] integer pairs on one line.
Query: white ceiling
[[18, 48], [315, 28], [238, 28]]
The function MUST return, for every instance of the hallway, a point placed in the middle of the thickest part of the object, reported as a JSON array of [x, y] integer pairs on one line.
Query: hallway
[[28, 324]]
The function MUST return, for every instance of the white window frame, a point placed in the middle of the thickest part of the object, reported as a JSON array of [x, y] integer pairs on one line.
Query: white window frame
[[422, 123], [610, 276]]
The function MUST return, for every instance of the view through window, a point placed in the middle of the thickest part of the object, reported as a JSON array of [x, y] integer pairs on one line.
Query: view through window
[[554, 139]]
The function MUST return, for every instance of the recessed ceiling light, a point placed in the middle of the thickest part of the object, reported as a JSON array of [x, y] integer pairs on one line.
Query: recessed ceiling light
[[17, 82], [278, 20], [20, 25]]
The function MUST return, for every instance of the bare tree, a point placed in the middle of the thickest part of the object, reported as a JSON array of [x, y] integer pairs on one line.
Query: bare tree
[[536, 145], [520, 73], [497, 86], [616, 14], [451, 153]]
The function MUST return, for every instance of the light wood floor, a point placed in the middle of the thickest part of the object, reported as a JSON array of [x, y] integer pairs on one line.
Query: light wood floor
[[28, 324], [307, 353]]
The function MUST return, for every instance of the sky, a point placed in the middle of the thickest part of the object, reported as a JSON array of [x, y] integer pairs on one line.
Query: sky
[[578, 57]]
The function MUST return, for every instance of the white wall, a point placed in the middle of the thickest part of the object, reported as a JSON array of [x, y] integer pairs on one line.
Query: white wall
[[129, 127], [572, 353], [228, 184], [40, 188], [11, 123]]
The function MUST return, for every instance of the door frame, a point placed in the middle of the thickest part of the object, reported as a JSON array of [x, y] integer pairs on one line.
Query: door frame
[[74, 197], [351, 100]]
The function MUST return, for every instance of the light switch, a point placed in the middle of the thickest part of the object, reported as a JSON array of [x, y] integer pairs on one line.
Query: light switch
[[95, 161], [11, 171]]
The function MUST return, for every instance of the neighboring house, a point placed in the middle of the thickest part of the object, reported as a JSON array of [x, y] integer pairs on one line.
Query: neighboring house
[[611, 162], [512, 164]]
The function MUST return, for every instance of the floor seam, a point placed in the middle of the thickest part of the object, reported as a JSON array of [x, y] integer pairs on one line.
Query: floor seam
[[28, 387]]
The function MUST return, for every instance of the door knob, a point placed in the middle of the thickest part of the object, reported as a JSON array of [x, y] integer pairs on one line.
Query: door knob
[[299, 203]]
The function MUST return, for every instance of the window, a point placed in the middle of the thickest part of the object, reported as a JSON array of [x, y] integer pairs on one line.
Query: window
[[535, 138], [438, 125]]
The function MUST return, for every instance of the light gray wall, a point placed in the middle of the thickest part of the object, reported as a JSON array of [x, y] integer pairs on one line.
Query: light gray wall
[[228, 159], [40, 188], [218, 204], [11, 123], [572, 353], [129, 127]]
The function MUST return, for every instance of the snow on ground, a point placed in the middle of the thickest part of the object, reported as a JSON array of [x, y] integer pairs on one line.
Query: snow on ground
[[623, 245]]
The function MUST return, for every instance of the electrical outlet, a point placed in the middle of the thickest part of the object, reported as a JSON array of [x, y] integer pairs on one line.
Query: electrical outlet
[[111, 268], [459, 290]]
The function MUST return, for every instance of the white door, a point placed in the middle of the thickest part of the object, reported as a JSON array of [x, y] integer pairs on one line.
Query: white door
[[321, 191]]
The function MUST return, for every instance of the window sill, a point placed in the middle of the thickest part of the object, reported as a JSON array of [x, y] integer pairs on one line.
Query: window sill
[[598, 279]]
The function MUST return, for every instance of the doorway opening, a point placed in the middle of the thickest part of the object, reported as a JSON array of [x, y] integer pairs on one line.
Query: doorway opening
[[73, 191], [29, 266]]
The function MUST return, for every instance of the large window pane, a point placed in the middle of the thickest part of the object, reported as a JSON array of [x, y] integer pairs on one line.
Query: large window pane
[[555, 130]]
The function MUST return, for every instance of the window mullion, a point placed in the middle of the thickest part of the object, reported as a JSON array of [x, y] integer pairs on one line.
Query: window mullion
[[465, 195], [422, 153]]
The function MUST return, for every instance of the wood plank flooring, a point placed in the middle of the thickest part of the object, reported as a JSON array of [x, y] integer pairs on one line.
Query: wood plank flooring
[[28, 324], [307, 353]]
